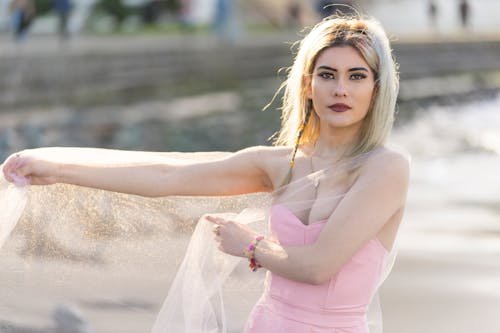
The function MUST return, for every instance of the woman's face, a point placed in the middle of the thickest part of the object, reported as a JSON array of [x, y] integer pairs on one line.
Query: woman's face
[[341, 88]]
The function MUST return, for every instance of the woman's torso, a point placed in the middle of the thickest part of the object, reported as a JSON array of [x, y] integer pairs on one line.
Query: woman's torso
[[323, 196], [341, 301]]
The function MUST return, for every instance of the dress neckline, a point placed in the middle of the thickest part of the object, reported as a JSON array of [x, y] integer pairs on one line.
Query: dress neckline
[[299, 223], [296, 219]]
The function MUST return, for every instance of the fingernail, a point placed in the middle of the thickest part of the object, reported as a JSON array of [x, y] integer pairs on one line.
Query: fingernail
[[19, 181]]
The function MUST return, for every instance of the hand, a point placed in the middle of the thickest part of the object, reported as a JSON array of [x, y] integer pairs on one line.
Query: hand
[[233, 237], [30, 167]]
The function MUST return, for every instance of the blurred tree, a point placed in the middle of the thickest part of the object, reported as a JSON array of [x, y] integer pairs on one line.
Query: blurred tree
[[149, 10], [153, 10], [43, 6], [173, 5], [116, 9]]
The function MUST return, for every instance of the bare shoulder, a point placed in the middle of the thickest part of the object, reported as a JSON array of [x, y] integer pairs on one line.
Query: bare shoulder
[[273, 160], [388, 163], [263, 154], [264, 158], [265, 150]]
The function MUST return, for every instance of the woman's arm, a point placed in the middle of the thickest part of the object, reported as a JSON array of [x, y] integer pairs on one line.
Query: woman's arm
[[377, 197], [142, 173]]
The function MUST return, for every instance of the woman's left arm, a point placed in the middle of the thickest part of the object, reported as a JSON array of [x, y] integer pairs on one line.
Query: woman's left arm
[[377, 196]]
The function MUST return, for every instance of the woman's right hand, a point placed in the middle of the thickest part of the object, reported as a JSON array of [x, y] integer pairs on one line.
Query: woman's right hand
[[30, 167]]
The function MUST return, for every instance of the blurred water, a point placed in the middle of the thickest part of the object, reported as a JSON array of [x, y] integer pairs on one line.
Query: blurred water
[[456, 153], [447, 276], [440, 130]]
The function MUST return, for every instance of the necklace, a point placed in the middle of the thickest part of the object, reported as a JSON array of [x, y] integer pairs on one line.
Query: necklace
[[315, 178], [315, 175]]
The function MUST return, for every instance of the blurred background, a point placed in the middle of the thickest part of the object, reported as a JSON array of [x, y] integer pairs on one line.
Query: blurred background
[[193, 75]]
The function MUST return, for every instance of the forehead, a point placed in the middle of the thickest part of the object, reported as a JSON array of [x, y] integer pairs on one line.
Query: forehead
[[341, 57]]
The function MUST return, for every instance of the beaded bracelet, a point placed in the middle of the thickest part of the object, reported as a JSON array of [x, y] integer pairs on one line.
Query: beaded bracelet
[[250, 253]]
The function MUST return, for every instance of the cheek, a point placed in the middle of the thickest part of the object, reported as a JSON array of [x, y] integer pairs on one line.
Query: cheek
[[319, 89], [367, 95]]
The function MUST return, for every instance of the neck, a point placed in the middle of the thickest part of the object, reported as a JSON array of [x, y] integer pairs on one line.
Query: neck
[[334, 143]]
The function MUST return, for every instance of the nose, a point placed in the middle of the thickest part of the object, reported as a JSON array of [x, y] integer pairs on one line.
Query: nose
[[340, 89]]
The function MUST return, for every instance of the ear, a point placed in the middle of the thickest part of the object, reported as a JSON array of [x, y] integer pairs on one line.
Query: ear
[[307, 85]]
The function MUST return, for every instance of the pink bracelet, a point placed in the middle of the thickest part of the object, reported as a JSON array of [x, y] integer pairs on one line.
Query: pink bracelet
[[250, 253]]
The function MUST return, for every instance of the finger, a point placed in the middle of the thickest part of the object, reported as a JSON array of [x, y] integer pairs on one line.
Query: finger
[[11, 164], [18, 170], [6, 173], [22, 167], [20, 174], [7, 165], [210, 219], [20, 181], [215, 219]]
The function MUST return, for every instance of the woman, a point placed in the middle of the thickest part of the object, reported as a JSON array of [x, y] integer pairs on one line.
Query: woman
[[328, 241], [23, 12]]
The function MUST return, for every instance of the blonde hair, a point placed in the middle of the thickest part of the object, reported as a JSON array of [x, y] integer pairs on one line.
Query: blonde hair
[[300, 125]]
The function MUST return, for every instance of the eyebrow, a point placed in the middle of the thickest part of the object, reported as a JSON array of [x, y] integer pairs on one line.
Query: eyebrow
[[354, 69]]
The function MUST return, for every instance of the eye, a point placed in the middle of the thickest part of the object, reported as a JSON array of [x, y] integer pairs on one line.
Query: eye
[[327, 76], [358, 76]]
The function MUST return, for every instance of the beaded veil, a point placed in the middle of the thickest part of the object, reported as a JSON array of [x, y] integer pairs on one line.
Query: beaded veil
[[207, 291]]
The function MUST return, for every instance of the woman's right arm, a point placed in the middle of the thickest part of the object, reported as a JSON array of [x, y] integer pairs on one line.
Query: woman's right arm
[[143, 173]]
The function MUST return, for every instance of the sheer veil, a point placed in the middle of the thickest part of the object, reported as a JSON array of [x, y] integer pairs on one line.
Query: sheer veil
[[211, 292], [12, 202]]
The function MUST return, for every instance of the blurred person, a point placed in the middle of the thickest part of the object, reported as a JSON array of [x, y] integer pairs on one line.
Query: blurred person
[[324, 255], [226, 22], [294, 14], [432, 12], [185, 9], [22, 15], [63, 10], [464, 10]]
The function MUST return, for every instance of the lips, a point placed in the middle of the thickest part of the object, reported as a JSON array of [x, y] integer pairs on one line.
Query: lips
[[340, 107]]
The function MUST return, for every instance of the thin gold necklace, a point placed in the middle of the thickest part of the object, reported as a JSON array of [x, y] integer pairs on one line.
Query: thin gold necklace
[[315, 178]]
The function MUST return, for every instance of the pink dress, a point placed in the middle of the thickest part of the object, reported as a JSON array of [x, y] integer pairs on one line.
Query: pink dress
[[337, 306]]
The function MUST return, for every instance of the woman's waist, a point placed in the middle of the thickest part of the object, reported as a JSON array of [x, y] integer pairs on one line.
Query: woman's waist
[[319, 316], [350, 289]]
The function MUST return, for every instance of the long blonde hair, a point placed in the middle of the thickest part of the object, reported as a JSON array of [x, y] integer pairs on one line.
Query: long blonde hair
[[300, 124]]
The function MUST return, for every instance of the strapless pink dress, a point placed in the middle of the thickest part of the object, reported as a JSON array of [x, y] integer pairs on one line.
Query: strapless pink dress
[[337, 306]]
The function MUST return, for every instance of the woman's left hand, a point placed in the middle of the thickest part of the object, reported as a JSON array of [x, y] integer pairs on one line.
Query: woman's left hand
[[233, 237]]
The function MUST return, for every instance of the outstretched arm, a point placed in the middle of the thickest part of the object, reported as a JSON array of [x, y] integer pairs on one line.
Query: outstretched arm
[[143, 173], [380, 191]]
